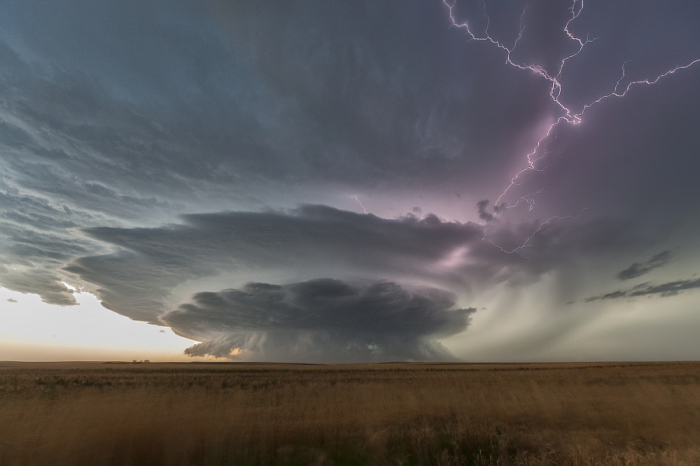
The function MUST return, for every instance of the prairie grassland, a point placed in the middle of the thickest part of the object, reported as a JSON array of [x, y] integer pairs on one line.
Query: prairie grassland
[[386, 414]]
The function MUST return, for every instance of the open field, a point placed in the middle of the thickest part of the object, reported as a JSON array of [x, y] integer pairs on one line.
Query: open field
[[387, 414]]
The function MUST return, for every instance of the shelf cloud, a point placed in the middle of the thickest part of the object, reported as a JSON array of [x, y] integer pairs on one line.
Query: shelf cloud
[[321, 320]]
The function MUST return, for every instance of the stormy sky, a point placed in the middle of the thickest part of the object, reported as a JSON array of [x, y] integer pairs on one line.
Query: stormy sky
[[338, 181]]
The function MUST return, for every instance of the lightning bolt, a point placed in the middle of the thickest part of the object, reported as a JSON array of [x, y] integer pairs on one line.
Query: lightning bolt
[[567, 116], [616, 93], [526, 243], [528, 199], [354, 196]]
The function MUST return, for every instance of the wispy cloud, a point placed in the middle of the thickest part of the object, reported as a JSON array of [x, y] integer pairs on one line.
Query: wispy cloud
[[663, 290], [638, 269]]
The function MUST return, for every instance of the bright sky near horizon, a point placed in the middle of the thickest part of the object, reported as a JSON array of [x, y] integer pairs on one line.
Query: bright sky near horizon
[[349, 181], [31, 330]]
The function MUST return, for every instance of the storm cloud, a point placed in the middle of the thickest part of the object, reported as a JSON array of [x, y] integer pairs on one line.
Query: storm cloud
[[150, 263], [663, 290], [153, 150], [321, 320], [637, 270], [312, 239], [483, 214]]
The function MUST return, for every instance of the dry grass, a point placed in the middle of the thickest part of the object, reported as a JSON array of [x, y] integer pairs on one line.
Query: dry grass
[[433, 414]]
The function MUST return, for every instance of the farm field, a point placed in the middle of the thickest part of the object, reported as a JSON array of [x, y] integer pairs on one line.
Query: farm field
[[384, 414]]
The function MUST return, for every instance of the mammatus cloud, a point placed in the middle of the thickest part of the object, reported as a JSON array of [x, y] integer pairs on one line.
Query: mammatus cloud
[[321, 320], [637, 270], [646, 289]]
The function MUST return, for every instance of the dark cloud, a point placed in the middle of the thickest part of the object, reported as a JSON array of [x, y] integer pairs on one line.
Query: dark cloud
[[271, 98], [150, 263], [321, 320], [10, 300], [483, 214], [637, 270], [530, 248], [44, 282], [645, 289], [36, 240], [311, 239]]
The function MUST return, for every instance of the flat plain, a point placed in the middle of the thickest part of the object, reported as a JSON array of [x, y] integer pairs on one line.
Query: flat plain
[[385, 414]]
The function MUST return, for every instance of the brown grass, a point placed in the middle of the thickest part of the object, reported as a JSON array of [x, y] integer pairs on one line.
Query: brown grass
[[432, 414]]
